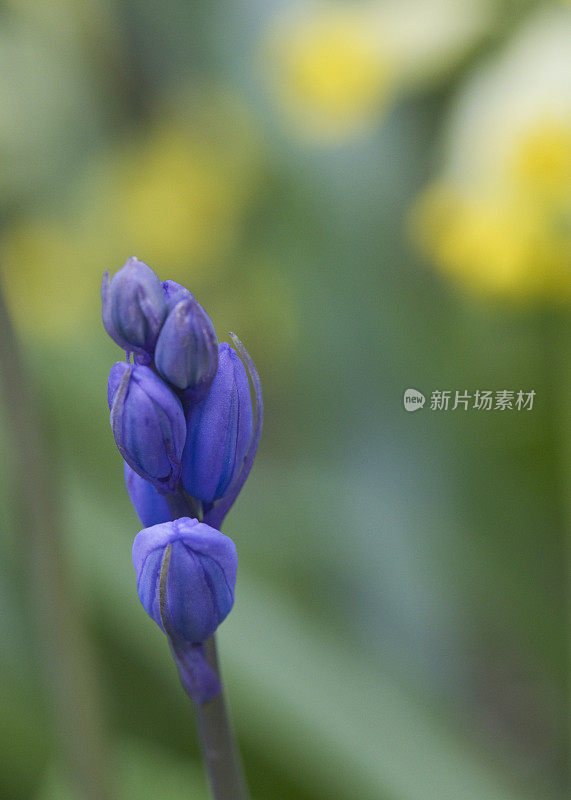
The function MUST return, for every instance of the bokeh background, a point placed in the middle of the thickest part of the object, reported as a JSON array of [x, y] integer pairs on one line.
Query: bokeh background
[[376, 196]]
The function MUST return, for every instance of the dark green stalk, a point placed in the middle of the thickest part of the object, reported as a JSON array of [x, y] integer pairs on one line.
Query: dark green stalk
[[64, 648], [217, 741]]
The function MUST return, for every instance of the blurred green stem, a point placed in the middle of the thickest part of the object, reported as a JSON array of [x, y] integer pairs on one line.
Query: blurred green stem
[[64, 651], [217, 741]]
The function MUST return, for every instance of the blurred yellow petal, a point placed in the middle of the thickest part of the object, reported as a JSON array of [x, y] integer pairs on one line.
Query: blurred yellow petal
[[520, 90], [173, 199], [334, 67], [499, 218], [494, 244], [44, 275], [542, 159], [178, 192], [175, 194], [330, 72]]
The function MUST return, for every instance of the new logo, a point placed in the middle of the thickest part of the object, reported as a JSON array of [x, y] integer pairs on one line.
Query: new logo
[[413, 400]]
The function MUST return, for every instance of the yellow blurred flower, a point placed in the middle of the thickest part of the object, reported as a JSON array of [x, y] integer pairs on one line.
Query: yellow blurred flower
[[174, 194], [181, 196], [498, 221], [503, 245], [329, 72], [46, 274], [542, 159], [335, 66]]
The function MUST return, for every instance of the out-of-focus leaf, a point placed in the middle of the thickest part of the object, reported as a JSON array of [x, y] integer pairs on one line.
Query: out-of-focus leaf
[[140, 771], [323, 712], [49, 109], [23, 731]]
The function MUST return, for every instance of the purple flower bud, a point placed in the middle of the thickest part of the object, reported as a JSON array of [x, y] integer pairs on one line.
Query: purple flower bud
[[219, 430], [134, 308], [150, 505], [215, 513], [186, 574], [174, 293], [148, 424], [186, 354]]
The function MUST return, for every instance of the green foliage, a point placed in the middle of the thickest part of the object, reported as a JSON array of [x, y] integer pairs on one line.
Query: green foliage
[[400, 611]]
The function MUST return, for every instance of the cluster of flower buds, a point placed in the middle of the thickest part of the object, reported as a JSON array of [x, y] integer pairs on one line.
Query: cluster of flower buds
[[183, 419]]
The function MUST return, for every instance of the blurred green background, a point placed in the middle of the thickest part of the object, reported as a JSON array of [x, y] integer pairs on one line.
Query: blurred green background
[[374, 196]]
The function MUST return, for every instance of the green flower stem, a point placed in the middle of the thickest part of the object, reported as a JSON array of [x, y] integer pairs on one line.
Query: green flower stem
[[217, 741], [219, 749], [64, 649]]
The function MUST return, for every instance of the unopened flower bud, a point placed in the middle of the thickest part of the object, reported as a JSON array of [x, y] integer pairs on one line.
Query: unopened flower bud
[[174, 292], [186, 354], [151, 506], [134, 308], [186, 574], [219, 430], [148, 424]]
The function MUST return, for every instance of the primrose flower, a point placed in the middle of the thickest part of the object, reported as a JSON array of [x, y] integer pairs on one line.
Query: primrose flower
[[329, 73], [186, 354], [496, 220], [134, 308], [335, 68], [219, 430], [148, 424], [186, 574]]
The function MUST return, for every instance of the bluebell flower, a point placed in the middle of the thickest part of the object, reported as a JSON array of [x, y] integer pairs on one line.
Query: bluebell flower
[[134, 308], [179, 466], [148, 424], [186, 575], [150, 505], [186, 353], [219, 431]]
